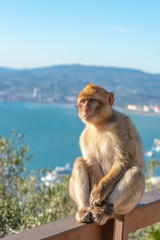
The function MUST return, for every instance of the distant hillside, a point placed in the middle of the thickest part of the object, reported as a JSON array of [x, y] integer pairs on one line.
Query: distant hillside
[[62, 83]]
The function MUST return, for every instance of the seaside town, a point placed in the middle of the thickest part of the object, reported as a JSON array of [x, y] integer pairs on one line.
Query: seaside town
[[36, 96], [150, 109]]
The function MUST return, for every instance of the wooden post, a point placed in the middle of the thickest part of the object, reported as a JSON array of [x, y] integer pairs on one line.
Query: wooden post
[[107, 230], [118, 228]]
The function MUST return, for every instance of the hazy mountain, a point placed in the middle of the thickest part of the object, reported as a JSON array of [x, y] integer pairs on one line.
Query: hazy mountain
[[58, 83]]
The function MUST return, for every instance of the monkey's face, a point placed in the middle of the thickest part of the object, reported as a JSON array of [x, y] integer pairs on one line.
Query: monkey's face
[[93, 103], [88, 108]]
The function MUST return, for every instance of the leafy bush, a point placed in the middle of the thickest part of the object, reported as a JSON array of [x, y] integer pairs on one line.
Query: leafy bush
[[151, 232], [25, 201]]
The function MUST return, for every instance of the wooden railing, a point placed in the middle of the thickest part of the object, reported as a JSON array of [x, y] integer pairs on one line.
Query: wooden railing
[[145, 214]]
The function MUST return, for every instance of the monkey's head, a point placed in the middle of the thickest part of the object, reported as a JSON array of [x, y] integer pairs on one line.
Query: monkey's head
[[94, 104]]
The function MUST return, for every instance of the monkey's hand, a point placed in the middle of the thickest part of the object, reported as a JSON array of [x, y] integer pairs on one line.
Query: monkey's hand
[[97, 196]]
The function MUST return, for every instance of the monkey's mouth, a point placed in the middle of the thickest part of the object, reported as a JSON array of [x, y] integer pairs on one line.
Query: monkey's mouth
[[87, 116]]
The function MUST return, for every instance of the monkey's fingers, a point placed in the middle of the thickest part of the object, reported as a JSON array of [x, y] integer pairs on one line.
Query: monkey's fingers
[[95, 199]]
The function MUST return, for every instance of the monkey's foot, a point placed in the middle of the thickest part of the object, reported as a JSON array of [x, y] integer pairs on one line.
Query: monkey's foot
[[100, 214], [99, 217], [106, 207], [84, 215]]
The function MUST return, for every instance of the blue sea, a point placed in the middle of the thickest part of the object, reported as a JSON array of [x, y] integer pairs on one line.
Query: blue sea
[[52, 131]]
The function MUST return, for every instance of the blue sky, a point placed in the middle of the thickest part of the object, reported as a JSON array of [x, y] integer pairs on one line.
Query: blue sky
[[39, 33]]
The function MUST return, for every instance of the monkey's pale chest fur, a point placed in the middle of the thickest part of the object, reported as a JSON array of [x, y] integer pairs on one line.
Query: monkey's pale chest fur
[[98, 148]]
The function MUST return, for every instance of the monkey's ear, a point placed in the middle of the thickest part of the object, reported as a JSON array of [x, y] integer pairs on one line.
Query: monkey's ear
[[90, 85], [111, 98]]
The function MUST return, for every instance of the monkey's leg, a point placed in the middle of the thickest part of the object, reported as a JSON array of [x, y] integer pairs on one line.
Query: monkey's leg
[[124, 197], [80, 190], [100, 213], [128, 191], [95, 173]]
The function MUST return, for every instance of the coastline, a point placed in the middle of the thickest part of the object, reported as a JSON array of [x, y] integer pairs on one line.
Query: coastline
[[73, 105], [141, 113]]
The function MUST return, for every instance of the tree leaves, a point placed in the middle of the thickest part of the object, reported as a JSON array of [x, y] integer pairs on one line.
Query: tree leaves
[[25, 201]]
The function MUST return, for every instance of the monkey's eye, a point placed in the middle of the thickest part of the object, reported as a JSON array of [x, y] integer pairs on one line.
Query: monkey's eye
[[83, 101], [92, 100]]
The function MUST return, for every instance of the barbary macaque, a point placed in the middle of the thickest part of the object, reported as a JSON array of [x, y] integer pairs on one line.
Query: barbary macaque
[[108, 179]]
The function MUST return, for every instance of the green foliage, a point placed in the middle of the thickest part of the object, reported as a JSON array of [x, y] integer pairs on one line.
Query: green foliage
[[155, 231], [152, 165], [25, 201], [151, 232], [148, 233]]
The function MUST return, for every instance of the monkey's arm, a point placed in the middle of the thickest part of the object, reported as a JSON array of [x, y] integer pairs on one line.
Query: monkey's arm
[[107, 183]]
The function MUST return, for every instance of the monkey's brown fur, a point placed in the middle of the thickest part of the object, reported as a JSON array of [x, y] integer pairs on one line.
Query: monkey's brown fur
[[109, 179]]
